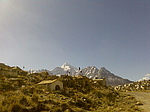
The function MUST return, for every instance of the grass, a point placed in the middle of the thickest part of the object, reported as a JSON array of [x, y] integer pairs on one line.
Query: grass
[[105, 100]]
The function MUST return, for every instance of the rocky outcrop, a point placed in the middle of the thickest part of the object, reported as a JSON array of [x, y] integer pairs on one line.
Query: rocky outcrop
[[136, 86]]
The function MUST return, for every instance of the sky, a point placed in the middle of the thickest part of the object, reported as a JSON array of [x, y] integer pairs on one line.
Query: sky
[[44, 34]]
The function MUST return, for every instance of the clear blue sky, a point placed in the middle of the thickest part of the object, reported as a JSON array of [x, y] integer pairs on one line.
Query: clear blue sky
[[104, 33]]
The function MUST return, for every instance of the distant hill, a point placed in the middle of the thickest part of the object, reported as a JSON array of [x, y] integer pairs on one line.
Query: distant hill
[[90, 72], [8, 71]]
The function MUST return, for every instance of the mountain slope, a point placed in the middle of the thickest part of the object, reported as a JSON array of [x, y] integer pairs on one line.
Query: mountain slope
[[111, 79]]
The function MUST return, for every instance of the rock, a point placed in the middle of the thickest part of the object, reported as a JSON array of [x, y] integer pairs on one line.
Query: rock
[[139, 103]]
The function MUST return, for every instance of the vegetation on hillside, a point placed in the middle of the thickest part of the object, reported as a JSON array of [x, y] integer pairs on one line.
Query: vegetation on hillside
[[19, 92]]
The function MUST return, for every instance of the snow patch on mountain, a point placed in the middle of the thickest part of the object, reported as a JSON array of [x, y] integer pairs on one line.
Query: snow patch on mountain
[[65, 69], [91, 72], [67, 66]]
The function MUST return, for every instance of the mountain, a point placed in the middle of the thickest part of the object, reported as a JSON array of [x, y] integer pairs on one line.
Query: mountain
[[90, 72], [111, 79], [64, 69]]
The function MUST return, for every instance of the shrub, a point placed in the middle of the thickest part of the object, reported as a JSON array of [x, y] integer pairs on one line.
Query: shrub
[[24, 101], [16, 108], [64, 106], [35, 97]]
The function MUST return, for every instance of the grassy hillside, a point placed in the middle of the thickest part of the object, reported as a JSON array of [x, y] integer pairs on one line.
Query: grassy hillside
[[19, 92]]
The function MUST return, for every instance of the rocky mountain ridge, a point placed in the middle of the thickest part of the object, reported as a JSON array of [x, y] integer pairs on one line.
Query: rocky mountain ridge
[[111, 79], [90, 72]]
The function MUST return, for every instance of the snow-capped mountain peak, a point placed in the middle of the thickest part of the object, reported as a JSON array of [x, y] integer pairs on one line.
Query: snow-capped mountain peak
[[65, 69], [67, 66]]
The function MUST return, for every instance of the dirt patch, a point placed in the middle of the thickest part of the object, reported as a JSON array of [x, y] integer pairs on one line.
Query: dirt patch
[[143, 98]]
